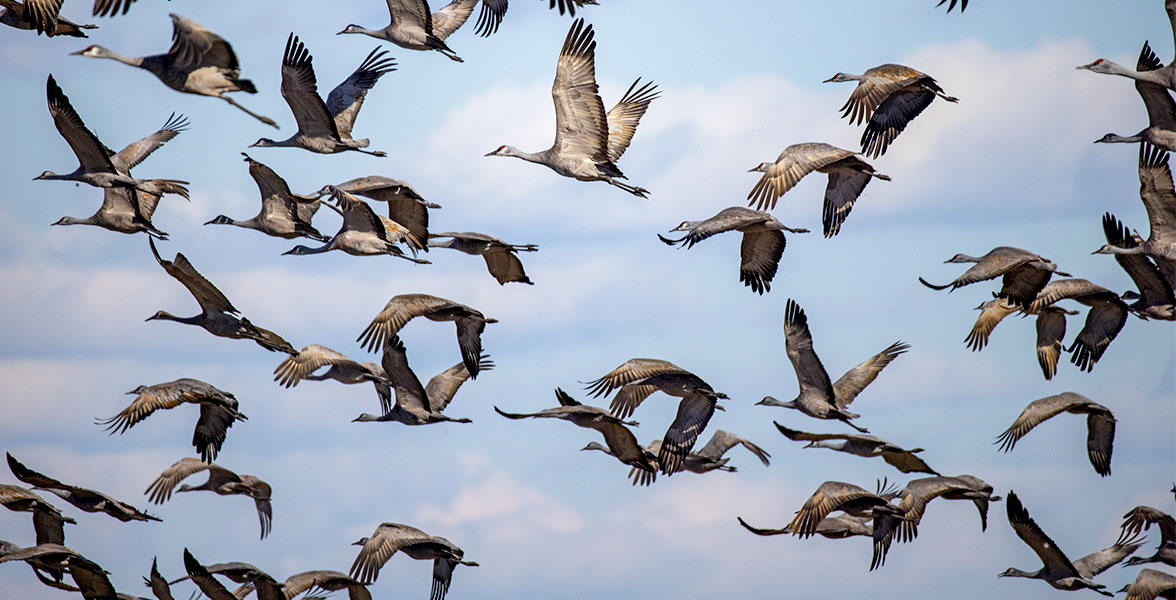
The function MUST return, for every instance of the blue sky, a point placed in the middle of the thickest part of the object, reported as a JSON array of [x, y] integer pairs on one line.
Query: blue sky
[[1011, 164]]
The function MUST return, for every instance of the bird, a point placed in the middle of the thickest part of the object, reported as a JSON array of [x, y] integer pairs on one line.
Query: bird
[[199, 62], [95, 160], [283, 213], [80, 497], [1150, 584], [217, 315], [267, 587], [1057, 570], [710, 458], [887, 97], [1165, 76], [854, 501], [218, 411], [159, 586], [761, 249], [220, 480], [848, 177], [862, 445], [1023, 273], [502, 260], [325, 127], [1100, 424], [48, 522], [392, 537], [296, 367], [417, 404], [326, 581], [819, 397], [103, 8], [1051, 328], [41, 15], [638, 378], [1159, 198], [917, 493], [362, 233], [405, 307], [405, 206], [1161, 109], [91, 579], [493, 12], [835, 527], [588, 142], [412, 27], [620, 441], [1155, 298], [1104, 321], [950, 7], [1140, 519]]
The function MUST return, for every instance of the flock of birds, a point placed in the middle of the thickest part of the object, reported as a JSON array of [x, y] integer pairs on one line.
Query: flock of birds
[[588, 144]]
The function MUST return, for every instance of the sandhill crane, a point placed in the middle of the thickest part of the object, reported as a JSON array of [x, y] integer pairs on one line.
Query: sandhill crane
[[159, 586], [283, 214], [819, 397], [325, 127], [1023, 273], [494, 10], [327, 581], [1140, 519], [363, 232], [412, 27], [1165, 76], [48, 522], [302, 365], [1155, 299], [1150, 584], [1161, 109], [1051, 328], [1104, 321], [501, 258], [103, 8], [217, 315], [91, 579], [220, 480], [761, 249], [41, 15], [913, 499], [837, 527], [867, 446], [588, 143], [848, 176], [95, 160], [709, 458], [1159, 198], [637, 378], [417, 404], [82, 498], [887, 97], [950, 7], [854, 501], [1100, 424], [405, 206], [405, 307], [621, 443], [392, 537], [127, 210], [1057, 570], [267, 587], [199, 62], [218, 411]]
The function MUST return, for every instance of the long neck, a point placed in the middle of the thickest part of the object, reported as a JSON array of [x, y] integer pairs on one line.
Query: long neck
[[1019, 573], [1112, 249], [535, 157], [196, 320], [136, 61], [828, 444], [1111, 138], [76, 221], [1114, 68]]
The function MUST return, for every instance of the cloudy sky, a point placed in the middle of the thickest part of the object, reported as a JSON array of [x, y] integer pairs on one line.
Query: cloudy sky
[[1011, 164]]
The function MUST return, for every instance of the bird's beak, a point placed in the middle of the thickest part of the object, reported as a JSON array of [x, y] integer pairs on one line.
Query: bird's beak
[[829, 79], [342, 32], [490, 153], [753, 169], [78, 53], [359, 543], [210, 222], [145, 320], [810, 445]]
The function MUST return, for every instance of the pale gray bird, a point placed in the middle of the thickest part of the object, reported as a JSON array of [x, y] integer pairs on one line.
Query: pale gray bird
[[848, 177], [1161, 109], [1057, 570], [267, 587], [218, 411], [1155, 298], [417, 404], [835, 527], [325, 581], [405, 206], [1165, 76], [80, 497], [887, 98], [283, 213], [709, 458], [761, 249], [1023, 274], [363, 232], [913, 499], [90, 579], [392, 537], [95, 161], [854, 501], [1150, 584], [217, 315], [412, 27], [48, 522], [1159, 198], [867, 446], [325, 127], [302, 365], [588, 142], [406, 307], [220, 480], [199, 62], [41, 15], [1104, 321], [1100, 424], [1140, 519], [502, 260], [1051, 328]]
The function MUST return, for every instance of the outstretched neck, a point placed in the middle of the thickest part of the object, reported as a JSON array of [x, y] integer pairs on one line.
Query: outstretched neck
[[535, 157], [134, 61], [74, 221], [166, 316], [1112, 138]]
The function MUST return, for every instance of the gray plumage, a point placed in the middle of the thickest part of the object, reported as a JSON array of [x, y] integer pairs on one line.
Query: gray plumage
[[1023, 274], [417, 404], [835, 527], [854, 501], [502, 260], [411, 26], [83, 498], [283, 213], [405, 206], [1104, 321], [1100, 424], [1150, 584], [390, 538], [1050, 324], [401, 309], [42, 15], [220, 480], [867, 446], [1155, 298], [1141, 518], [887, 98], [1159, 199], [1161, 109], [363, 231]]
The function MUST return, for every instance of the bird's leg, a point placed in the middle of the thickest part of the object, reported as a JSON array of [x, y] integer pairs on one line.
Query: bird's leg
[[941, 94], [525, 247], [262, 118], [640, 192], [791, 230], [378, 153], [861, 429]]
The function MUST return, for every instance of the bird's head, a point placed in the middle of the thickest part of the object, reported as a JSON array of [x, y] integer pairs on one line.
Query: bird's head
[[185, 488], [1013, 572], [45, 175], [138, 390], [762, 167], [361, 542], [1101, 65], [1108, 138], [263, 143], [163, 314], [93, 51], [838, 78], [297, 250], [959, 258], [365, 418], [65, 221], [503, 150], [220, 220], [594, 446], [351, 29]]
